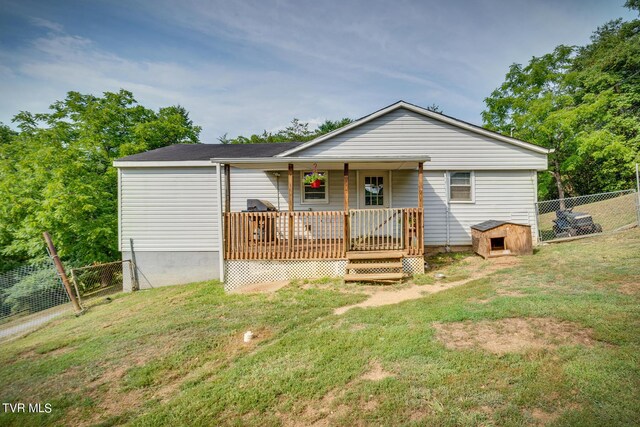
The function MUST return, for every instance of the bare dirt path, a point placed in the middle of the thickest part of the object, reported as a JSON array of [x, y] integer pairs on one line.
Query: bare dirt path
[[29, 323], [384, 296]]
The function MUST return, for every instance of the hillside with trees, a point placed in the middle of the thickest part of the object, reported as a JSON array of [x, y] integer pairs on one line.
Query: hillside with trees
[[56, 172], [583, 102]]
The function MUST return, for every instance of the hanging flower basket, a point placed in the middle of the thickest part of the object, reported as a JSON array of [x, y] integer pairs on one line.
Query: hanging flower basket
[[315, 180]]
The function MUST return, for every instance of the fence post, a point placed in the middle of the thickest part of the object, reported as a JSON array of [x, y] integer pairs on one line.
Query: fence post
[[75, 286], [638, 194], [61, 272], [133, 268], [538, 223]]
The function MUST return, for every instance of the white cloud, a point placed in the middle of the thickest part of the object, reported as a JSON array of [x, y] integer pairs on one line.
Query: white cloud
[[305, 59], [219, 98], [44, 23]]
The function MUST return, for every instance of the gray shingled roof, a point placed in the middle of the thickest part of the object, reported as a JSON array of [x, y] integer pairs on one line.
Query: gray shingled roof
[[185, 152], [490, 224]]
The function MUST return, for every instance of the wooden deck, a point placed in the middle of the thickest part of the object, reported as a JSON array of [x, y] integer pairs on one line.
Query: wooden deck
[[322, 234]]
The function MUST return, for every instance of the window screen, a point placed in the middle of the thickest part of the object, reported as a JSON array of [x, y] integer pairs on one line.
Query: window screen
[[460, 186]]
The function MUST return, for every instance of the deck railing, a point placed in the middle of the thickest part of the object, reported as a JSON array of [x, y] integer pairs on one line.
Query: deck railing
[[376, 229], [284, 235], [413, 231], [321, 234]]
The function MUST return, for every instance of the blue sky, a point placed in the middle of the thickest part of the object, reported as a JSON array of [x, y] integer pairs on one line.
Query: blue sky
[[243, 66]]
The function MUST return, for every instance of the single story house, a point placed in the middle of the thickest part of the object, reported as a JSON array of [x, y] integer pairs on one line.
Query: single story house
[[382, 189]]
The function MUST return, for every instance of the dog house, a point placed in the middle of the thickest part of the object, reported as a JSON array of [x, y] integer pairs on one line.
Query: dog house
[[500, 238]]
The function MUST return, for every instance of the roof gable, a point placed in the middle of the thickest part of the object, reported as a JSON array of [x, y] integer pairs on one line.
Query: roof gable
[[423, 112]]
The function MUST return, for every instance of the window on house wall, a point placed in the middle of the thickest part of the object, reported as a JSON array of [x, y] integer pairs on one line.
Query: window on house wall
[[315, 193], [461, 186]]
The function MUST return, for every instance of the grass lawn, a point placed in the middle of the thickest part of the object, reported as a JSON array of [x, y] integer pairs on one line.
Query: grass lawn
[[553, 340]]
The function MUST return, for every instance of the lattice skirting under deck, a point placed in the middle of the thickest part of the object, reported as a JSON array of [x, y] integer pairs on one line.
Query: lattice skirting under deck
[[248, 272]]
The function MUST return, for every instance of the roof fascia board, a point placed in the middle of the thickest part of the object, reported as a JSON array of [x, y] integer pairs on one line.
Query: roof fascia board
[[279, 160], [160, 163], [426, 113]]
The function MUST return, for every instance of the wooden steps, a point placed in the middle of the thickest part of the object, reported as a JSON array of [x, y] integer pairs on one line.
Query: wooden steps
[[374, 277], [372, 265], [360, 264], [364, 255]]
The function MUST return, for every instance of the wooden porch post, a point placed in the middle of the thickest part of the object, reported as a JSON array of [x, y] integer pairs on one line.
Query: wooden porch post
[[345, 193], [421, 185], [290, 201], [227, 209], [420, 219], [227, 188]]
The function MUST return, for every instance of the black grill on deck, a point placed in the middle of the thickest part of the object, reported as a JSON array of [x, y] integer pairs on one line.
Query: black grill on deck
[[263, 229], [257, 205]]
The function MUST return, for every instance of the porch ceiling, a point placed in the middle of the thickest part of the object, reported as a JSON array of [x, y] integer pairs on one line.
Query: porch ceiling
[[327, 163]]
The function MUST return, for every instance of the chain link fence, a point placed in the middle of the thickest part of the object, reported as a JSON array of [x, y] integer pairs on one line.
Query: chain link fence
[[33, 294], [30, 295], [100, 280], [586, 215]]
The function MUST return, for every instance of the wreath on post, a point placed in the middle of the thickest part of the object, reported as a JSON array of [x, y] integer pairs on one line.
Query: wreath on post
[[315, 179]]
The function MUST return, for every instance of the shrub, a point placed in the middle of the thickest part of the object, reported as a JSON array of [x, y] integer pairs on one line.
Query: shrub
[[36, 292]]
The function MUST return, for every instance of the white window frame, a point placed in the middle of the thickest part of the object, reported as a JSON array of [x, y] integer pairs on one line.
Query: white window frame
[[324, 201], [472, 179]]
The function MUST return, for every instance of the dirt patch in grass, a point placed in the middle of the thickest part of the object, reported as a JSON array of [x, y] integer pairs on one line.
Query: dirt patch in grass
[[320, 413], [543, 417], [326, 411], [379, 296], [261, 288], [376, 373], [112, 403], [512, 335], [630, 288], [499, 293]]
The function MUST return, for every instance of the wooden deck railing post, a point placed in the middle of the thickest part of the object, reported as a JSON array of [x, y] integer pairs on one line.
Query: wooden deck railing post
[[345, 195], [226, 224], [419, 220], [291, 234]]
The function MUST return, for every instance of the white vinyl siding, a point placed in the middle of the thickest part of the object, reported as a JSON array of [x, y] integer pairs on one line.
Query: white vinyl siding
[[405, 195], [168, 209], [174, 209], [500, 195], [336, 200], [256, 184], [405, 133]]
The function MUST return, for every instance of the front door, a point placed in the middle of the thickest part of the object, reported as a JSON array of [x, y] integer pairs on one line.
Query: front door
[[373, 226], [373, 189]]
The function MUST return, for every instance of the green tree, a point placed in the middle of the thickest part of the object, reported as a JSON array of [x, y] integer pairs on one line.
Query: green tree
[[6, 134], [584, 102], [297, 131], [531, 105], [57, 174], [605, 77], [331, 125]]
